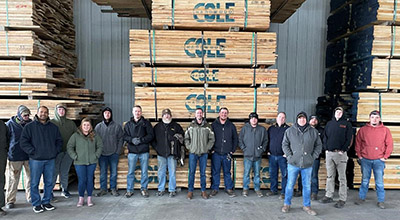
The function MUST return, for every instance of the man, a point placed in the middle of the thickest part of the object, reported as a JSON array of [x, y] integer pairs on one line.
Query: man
[[275, 152], [374, 144], [138, 133], [314, 122], [17, 158], [253, 140], [301, 145], [168, 142], [112, 136], [4, 141], [226, 141], [63, 161], [199, 139], [42, 141], [337, 139]]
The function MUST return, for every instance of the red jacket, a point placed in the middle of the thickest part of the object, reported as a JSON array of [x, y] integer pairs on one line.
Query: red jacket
[[374, 142]]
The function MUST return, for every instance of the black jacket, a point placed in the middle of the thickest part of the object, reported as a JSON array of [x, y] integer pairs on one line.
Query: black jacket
[[141, 129], [226, 137], [337, 135], [321, 135], [165, 142], [4, 141], [275, 137]]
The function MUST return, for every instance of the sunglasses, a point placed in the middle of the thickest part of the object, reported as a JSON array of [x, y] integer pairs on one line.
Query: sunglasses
[[25, 115]]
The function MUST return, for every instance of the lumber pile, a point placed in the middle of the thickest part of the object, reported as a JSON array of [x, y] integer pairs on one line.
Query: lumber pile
[[391, 178], [281, 10]]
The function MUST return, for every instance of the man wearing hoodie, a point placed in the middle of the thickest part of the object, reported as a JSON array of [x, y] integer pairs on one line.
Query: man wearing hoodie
[[138, 133], [226, 141], [42, 141], [4, 142], [63, 161], [112, 136], [199, 139], [301, 145], [337, 138], [17, 158], [168, 141], [374, 144], [253, 140]]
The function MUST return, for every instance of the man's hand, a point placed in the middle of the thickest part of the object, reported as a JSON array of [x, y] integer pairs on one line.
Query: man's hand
[[383, 159]]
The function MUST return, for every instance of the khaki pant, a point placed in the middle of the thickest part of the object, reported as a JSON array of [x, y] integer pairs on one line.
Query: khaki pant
[[336, 162], [14, 174]]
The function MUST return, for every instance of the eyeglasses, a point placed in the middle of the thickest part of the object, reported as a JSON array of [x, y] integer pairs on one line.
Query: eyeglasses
[[25, 115]]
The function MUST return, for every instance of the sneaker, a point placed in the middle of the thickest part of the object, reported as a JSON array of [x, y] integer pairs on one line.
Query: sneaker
[[38, 209], [309, 210], [285, 208], [144, 193], [190, 195], [359, 201], [259, 193], [340, 204], [102, 192], [326, 200], [282, 196], [48, 207], [271, 193], [381, 205], [230, 193], [172, 194], [245, 193], [213, 193], [160, 193], [128, 194], [114, 192], [314, 196], [66, 194], [10, 205]]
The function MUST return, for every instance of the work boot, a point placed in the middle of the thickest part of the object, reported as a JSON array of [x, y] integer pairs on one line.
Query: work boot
[[128, 194], [190, 195], [204, 195], [172, 194], [10, 205], [282, 196], [213, 193], [309, 210], [80, 202], [297, 193], [285, 208], [144, 193], [230, 193], [326, 200], [245, 193], [381, 205], [259, 193], [114, 192], [89, 201], [160, 193], [340, 204], [102, 192], [359, 201], [271, 193], [314, 196]]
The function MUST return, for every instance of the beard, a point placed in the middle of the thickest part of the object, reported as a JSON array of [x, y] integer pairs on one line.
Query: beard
[[167, 121]]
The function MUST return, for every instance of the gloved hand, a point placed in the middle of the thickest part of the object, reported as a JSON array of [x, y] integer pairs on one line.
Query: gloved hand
[[179, 137], [136, 141]]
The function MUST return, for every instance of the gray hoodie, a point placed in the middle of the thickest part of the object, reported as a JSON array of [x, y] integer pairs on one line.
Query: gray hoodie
[[253, 141]]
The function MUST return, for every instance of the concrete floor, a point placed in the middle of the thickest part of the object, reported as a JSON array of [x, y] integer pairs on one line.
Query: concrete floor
[[219, 207]]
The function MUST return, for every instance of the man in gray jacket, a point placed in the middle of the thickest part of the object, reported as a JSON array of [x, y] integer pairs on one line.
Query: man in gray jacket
[[253, 140], [301, 145], [112, 135]]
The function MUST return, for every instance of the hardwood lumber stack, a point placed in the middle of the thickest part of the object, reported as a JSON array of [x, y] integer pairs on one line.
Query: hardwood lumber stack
[[128, 8], [281, 10], [391, 179], [197, 48]]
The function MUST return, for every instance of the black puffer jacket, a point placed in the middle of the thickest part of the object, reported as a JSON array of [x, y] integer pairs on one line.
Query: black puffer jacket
[[141, 129], [166, 142]]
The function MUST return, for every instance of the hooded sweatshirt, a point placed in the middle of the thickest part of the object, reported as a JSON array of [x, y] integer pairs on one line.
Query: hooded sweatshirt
[[66, 126], [15, 127], [111, 134], [374, 143], [199, 138], [337, 135]]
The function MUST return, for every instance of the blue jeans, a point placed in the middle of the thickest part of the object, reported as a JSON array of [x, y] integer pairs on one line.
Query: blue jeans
[[193, 158], [293, 172], [256, 165], [144, 179], [163, 163], [216, 162], [377, 166], [39, 167], [85, 178], [105, 162], [276, 162], [314, 177], [63, 163]]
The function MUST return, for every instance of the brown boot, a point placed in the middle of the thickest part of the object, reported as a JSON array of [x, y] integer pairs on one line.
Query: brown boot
[[204, 195], [190, 195]]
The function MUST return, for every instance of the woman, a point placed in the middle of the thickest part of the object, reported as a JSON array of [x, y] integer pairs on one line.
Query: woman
[[85, 148]]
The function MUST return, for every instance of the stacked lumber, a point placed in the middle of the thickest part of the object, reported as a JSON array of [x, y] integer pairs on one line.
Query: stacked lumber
[[197, 48], [391, 179], [128, 8], [281, 10]]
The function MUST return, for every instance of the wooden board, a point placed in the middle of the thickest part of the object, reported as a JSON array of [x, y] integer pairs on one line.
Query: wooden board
[[225, 76], [391, 178], [184, 101], [211, 15], [127, 8], [219, 48], [281, 10]]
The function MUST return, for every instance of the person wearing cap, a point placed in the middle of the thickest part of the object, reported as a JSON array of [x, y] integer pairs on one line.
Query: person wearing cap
[[253, 140], [374, 144], [63, 161], [337, 138], [18, 160], [138, 133], [42, 141], [275, 155], [226, 142], [199, 139], [301, 145], [314, 122], [4, 147], [112, 135], [168, 141]]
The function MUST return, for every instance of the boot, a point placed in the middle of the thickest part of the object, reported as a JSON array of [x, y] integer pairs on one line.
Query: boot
[[89, 201], [80, 202]]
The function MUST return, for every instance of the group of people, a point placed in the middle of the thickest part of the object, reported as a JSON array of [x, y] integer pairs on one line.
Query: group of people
[[47, 148]]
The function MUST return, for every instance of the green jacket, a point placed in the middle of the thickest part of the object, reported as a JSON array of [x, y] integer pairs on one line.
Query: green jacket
[[83, 150], [199, 139], [66, 126]]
